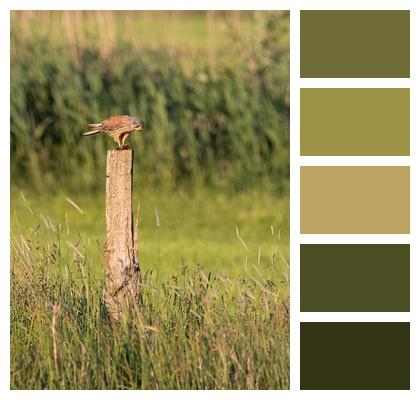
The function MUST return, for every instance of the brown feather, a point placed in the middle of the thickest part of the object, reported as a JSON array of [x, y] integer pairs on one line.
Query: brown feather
[[117, 122]]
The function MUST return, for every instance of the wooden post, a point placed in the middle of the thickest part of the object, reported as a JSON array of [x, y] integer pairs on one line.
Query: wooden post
[[122, 267]]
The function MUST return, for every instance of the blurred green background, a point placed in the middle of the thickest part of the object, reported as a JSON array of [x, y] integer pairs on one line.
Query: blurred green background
[[211, 86], [211, 167]]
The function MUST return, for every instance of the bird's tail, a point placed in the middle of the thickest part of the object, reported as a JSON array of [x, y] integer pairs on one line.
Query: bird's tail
[[96, 129], [93, 132]]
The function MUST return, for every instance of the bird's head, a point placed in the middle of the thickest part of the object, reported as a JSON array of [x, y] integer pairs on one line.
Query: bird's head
[[137, 124]]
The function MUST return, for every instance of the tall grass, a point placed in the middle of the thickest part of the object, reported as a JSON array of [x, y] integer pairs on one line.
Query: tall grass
[[221, 123], [194, 331]]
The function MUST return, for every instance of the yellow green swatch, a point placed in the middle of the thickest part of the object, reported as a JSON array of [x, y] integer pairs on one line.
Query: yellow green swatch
[[355, 122]]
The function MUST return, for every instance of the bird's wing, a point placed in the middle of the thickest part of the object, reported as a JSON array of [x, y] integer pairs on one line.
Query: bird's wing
[[117, 123]]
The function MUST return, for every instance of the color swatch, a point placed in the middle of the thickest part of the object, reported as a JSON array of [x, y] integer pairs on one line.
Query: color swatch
[[355, 122], [355, 355], [355, 44], [369, 118], [355, 200], [355, 277]]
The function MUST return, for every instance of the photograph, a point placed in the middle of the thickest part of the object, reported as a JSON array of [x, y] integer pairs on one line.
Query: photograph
[[149, 200]]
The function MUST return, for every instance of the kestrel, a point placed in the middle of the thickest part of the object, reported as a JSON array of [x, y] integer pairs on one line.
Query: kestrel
[[118, 127]]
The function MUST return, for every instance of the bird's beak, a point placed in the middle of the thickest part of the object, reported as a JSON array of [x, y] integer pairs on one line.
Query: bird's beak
[[140, 126]]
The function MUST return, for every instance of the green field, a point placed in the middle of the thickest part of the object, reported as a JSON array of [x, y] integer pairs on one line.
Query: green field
[[222, 233], [211, 177], [214, 298]]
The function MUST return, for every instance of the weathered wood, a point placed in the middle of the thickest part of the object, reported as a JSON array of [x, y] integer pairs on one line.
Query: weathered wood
[[120, 253]]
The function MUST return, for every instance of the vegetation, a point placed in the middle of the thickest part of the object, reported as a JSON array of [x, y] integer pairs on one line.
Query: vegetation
[[228, 234], [213, 311], [212, 176], [222, 125]]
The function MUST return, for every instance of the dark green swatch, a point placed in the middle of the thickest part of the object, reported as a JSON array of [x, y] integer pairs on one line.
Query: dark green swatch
[[355, 277], [355, 44], [355, 355], [355, 122]]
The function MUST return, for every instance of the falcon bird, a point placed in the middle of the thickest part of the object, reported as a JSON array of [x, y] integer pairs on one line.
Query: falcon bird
[[118, 127]]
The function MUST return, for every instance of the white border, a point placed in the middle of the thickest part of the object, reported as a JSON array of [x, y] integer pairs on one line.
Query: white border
[[295, 83], [295, 5], [5, 202], [354, 82], [354, 161], [354, 316], [350, 238]]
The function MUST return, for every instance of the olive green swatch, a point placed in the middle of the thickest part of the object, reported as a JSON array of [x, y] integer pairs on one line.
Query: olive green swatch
[[355, 355], [354, 277], [355, 200], [355, 122], [355, 44]]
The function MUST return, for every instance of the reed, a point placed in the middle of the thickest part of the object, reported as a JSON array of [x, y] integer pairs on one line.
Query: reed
[[221, 123]]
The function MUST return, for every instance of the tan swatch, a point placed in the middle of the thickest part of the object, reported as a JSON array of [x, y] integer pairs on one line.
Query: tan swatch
[[355, 200]]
